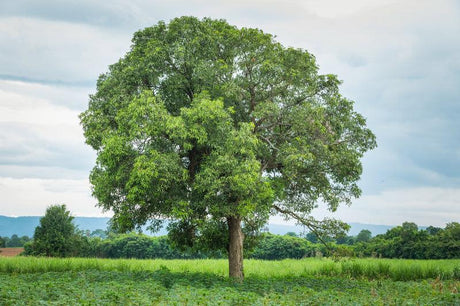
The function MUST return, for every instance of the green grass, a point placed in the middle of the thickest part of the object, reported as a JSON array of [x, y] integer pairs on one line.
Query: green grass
[[28, 280], [395, 269]]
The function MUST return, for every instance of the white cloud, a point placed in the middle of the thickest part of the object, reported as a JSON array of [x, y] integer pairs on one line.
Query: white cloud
[[44, 120], [36, 132], [31, 197], [21, 108], [335, 8], [422, 205]]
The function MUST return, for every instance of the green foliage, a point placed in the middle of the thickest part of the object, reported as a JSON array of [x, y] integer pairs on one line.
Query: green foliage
[[137, 246], [443, 243], [289, 282], [406, 241], [280, 247], [266, 246], [312, 237], [364, 236], [349, 240], [202, 121], [14, 241], [99, 233], [56, 235]]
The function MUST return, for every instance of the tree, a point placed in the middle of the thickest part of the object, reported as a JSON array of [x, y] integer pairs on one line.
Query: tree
[[364, 236], [432, 230], [15, 241], [55, 236], [217, 128], [312, 237], [449, 239], [344, 239], [99, 233]]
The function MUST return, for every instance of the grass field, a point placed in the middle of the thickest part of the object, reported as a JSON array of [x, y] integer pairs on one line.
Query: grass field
[[289, 282]]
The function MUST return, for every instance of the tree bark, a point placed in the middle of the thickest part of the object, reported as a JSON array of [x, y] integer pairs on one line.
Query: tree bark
[[235, 249]]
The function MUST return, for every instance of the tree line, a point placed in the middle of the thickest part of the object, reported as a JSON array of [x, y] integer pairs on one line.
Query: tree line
[[58, 236], [407, 241], [14, 241]]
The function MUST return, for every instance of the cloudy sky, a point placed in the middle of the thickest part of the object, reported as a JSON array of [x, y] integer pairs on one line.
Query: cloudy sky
[[399, 60]]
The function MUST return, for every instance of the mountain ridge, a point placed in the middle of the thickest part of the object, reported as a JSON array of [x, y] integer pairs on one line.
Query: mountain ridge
[[25, 226]]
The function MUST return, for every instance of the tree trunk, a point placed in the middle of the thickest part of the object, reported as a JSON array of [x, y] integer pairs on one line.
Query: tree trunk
[[235, 249]]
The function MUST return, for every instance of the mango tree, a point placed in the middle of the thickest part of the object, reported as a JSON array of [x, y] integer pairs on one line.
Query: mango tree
[[216, 128]]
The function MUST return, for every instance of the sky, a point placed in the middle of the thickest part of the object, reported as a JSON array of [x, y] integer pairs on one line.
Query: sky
[[399, 61]]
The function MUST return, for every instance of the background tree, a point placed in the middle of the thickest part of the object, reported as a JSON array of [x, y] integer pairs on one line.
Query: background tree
[[275, 247], [344, 239], [432, 230], [448, 241], [99, 233], [14, 241], [364, 236], [56, 235], [217, 128], [312, 237]]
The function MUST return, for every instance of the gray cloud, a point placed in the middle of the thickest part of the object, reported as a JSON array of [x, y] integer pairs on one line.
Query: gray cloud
[[44, 81], [72, 97], [57, 53], [354, 60], [408, 90], [98, 13], [72, 42], [42, 172]]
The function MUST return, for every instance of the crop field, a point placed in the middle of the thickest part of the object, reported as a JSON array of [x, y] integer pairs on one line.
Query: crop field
[[28, 280], [9, 252]]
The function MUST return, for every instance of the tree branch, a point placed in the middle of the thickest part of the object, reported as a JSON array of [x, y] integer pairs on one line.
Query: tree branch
[[313, 227]]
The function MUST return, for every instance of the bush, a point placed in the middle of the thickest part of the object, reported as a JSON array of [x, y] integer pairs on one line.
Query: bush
[[135, 245], [281, 247]]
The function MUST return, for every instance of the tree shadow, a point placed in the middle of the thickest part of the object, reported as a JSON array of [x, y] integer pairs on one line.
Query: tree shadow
[[258, 285]]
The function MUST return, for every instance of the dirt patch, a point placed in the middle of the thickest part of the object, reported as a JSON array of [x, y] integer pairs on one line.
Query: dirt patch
[[10, 252]]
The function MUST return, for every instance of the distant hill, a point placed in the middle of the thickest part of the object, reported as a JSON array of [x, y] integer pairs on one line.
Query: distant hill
[[25, 226]]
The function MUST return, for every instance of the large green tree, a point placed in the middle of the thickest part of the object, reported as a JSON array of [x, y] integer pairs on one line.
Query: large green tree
[[217, 128]]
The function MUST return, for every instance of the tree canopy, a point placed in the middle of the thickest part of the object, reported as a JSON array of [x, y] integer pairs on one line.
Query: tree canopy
[[217, 128], [364, 236], [56, 234]]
